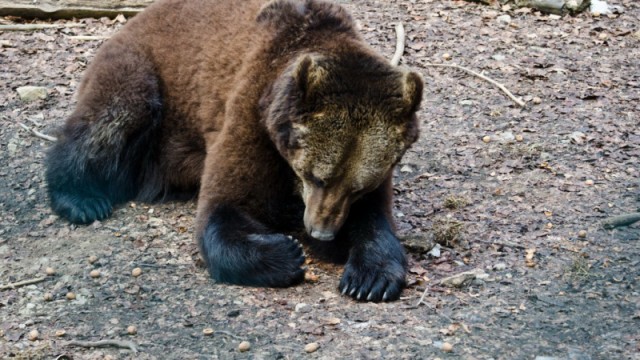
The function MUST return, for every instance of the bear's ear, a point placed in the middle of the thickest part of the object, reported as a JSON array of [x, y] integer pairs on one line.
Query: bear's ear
[[309, 74], [412, 90]]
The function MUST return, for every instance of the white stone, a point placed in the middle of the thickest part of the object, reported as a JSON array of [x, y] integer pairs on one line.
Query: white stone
[[31, 93], [504, 19]]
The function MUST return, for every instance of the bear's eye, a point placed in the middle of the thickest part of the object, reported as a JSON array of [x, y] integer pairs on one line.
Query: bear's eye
[[316, 181]]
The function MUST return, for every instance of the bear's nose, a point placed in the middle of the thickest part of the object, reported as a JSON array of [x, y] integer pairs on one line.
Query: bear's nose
[[322, 235]]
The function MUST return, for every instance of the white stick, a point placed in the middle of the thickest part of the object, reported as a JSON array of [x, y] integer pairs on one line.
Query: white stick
[[38, 133], [34, 27], [483, 77], [23, 283], [105, 343], [395, 60]]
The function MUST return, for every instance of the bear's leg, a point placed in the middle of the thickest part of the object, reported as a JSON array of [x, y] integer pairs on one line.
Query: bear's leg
[[105, 153], [239, 250], [376, 267]]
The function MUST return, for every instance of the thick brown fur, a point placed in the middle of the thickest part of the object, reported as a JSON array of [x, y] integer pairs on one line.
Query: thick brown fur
[[278, 113]]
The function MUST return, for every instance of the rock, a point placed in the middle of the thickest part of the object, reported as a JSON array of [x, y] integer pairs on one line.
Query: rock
[[31, 93], [155, 222], [406, 169], [462, 279], [490, 14], [504, 19], [302, 308], [547, 6], [498, 57], [507, 137], [311, 347], [602, 8], [499, 266], [575, 6]]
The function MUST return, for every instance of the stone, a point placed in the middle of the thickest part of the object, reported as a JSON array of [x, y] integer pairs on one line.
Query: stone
[[504, 19], [32, 93]]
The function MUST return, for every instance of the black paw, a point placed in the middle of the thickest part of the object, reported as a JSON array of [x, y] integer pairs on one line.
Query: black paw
[[374, 279], [79, 209], [269, 260]]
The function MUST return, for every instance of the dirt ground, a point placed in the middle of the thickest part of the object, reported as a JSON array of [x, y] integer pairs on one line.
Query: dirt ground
[[503, 190]]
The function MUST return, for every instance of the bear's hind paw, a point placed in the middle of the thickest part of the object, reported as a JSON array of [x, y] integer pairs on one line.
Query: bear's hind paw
[[81, 210]]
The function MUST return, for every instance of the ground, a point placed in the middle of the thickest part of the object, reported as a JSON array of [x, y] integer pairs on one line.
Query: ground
[[503, 190]]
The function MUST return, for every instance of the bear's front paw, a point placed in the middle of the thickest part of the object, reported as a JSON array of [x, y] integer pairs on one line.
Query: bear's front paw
[[278, 260], [271, 260], [373, 280], [79, 209]]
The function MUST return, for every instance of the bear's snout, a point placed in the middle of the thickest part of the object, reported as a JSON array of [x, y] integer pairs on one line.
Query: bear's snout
[[325, 212]]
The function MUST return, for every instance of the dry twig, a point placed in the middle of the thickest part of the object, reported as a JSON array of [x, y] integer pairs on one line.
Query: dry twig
[[483, 77], [223, 332], [426, 290], [105, 343], [23, 283], [88, 37], [38, 133], [400, 35], [621, 220], [35, 27]]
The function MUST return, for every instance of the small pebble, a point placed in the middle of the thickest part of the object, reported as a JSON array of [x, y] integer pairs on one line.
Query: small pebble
[[71, 296], [60, 333], [447, 347], [311, 347], [588, 182], [93, 259], [446, 56], [50, 271], [549, 225], [519, 138], [136, 272], [207, 331], [603, 36], [132, 330], [48, 296], [486, 139], [582, 234], [94, 273], [536, 100], [244, 346], [33, 335]]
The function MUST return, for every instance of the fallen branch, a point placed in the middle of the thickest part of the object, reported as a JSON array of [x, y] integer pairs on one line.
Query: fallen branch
[[502, 243], [461, 279], [483, 77], [38, 133], [105, 343], [223, 332], [23, 283], [88, 37], [400, 35], [621, 220], [35, 27], [426, 290], [455, 281]]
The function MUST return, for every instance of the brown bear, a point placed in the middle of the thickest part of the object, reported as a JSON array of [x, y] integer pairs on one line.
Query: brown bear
[[277, 115]]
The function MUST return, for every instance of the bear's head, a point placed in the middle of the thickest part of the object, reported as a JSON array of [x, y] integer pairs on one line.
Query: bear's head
[[342, 123]]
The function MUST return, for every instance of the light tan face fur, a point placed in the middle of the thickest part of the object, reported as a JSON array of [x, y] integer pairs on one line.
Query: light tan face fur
[[339, 161]]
